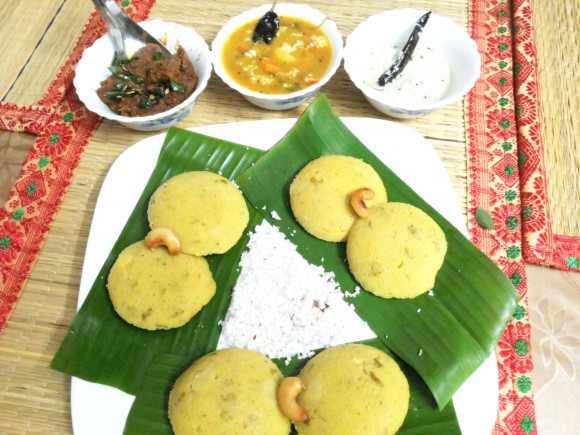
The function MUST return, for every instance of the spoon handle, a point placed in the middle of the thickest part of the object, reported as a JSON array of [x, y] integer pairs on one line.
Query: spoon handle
[[121, 26]]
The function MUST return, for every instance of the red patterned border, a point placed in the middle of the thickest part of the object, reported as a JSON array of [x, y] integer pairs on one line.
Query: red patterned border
[[494, 185], [63, 127], [540, 246]]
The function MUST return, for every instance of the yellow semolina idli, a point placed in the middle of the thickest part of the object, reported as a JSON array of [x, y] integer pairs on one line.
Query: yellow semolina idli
[[353, 389], [230, 391], [152, 289], [397, 251], [320, 195], [206, 211]]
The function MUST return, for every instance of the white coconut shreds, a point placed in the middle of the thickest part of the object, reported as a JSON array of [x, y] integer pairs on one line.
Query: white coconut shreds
[[283, 306]]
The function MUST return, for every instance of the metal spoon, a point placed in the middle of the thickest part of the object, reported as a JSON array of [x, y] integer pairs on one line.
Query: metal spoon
[[122, 27]]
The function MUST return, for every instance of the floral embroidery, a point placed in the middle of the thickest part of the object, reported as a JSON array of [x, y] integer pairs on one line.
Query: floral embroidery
[[56, 140], [510, 195], [519, 313], [43, 162], [31, 189], [514, 251], [18, 214], [512, 222], [509, 170], [517, 357], [524, 383], [573, 262], [63, 127], [527, 424], [11, 241], [521, 347]]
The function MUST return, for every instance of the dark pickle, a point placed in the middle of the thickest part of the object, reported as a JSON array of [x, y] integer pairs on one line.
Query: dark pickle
[[146, 83]]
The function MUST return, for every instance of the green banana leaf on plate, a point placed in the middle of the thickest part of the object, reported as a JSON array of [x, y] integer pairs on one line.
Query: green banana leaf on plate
[[149, 411], [457, 329]]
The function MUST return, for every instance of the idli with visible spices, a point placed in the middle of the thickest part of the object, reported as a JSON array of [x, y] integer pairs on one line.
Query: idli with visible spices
[[152, 289], [320, 194], [396, 251], [206, 211], [353, 389], [230, 391]]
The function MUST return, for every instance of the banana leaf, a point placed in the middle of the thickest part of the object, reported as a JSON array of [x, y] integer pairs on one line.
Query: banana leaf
[[149, 411], [101, 347], [445, 336]]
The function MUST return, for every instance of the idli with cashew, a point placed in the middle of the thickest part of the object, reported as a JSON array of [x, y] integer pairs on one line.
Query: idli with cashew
[[397, 251], [206, 211], [349, 389], [230, 391], [328, 195]]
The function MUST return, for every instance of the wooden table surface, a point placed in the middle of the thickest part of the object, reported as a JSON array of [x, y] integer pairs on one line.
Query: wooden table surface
[[37, 37]]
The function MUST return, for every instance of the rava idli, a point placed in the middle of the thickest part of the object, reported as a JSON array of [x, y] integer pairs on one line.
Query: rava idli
[[206, 211], [320, 194], [352, 389], [396, 251], [152, 289], [230, 391]]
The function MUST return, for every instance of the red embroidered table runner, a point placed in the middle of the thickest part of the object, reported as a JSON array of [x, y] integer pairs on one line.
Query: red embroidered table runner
[[63, 127], [494, 185]]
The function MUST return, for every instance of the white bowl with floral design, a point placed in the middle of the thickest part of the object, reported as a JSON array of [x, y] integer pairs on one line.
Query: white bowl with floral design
[[93, 68], [366, 45], [287, 100]]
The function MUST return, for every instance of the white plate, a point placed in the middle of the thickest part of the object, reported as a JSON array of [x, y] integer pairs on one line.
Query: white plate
[[99, 409]]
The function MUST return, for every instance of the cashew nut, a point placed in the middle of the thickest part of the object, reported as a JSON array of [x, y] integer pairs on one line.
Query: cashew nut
[[165, 237], [288, 392], [357, 201]]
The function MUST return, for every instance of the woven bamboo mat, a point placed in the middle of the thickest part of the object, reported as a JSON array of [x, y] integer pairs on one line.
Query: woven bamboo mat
[[36, 399], [559, 65]]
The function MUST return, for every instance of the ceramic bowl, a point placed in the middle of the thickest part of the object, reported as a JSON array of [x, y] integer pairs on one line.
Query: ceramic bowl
[[392, 28], [278, 101], [93, 69]]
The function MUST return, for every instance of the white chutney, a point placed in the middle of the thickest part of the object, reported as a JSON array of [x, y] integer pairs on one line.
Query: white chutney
[[425, 79]]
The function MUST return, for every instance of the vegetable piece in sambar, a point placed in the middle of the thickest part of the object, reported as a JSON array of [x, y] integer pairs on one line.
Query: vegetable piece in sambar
[[296, 58], [397, 251], [230, 391]]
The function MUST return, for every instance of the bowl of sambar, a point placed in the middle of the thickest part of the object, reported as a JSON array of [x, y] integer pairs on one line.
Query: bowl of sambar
[[284, 66]]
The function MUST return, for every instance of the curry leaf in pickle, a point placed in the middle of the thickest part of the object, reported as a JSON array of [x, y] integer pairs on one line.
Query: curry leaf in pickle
[[121, 60], [148, 100], [177, 87]]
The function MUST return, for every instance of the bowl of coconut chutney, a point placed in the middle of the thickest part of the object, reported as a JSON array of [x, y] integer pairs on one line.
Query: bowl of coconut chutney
[[443, 67]]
